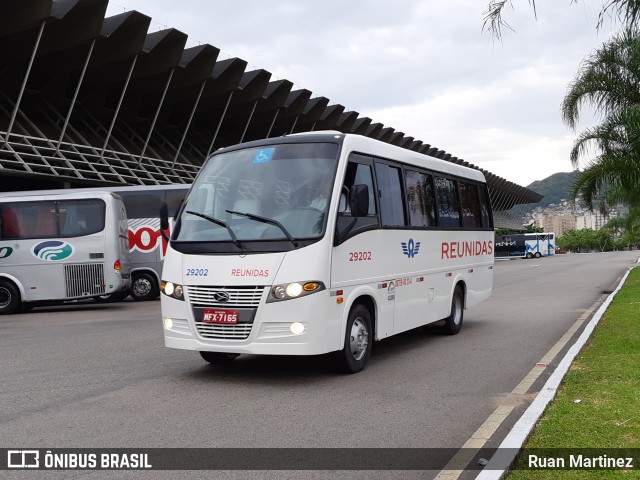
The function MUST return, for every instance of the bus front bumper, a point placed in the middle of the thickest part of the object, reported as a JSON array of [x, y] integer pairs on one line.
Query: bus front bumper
[[302, 328]]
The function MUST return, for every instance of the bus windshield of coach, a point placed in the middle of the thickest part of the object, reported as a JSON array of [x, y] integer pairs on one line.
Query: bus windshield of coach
[[278, 192]]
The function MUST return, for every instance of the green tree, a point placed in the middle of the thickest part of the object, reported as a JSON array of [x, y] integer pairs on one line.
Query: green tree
[[609, 81], [587, 240], [626, 11]]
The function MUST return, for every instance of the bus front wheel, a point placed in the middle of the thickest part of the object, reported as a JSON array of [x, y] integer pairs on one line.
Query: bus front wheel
[[453, 322], [10, 301], [144, 286], [357, 343]]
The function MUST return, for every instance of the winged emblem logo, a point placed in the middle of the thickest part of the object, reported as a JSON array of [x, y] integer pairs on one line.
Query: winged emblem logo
[[410, 248]]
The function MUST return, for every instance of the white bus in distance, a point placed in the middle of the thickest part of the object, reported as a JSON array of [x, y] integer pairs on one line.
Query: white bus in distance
[[61, 246], [525, 245], [323, 242]]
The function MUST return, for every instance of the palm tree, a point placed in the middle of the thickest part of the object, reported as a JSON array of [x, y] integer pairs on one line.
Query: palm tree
[[627, 11], [608, 80]]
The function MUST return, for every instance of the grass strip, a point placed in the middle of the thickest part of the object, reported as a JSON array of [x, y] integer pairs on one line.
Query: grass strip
[[598, 403]]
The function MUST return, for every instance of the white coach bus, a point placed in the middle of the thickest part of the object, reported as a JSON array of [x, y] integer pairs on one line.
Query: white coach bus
[[323, 242], [146, 243], [525, 245], [147, 247], [61, 246]]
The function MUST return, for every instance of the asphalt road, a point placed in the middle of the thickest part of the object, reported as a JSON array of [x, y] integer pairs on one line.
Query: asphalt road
[[99, 376]]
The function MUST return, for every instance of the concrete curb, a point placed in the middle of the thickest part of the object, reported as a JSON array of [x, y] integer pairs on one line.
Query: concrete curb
[[514, 440]]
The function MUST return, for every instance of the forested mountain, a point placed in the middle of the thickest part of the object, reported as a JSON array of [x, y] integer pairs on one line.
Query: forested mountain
[[554, 188]]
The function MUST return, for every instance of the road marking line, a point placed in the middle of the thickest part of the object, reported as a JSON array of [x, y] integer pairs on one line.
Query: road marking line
[[491, 425], [477, 441]]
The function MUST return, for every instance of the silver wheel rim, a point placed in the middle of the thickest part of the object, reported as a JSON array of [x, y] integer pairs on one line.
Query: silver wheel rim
[[456, 314], [359, 338], [141, 287], [5, 297]]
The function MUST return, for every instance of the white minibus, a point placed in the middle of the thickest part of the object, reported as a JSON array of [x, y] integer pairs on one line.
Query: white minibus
[[61, 246], [323, 242]]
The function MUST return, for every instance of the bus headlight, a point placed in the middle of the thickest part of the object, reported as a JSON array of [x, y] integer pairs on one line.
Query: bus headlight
[[292, 290], [172, 290]]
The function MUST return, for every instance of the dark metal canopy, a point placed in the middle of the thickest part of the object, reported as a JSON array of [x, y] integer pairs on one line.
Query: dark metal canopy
[[89, 100]]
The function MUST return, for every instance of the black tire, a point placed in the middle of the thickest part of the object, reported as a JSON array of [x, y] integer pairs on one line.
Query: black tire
[[144, 287], [453, 323], [529, 255], [10, 301], [218, 358], [357, 341], [538, 255]]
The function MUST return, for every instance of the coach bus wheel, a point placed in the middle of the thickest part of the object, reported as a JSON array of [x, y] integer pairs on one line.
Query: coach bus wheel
[[357, 343], [529, 255], [538, 255], [10, 301], [144, 286], [218, 358], [453, 322]]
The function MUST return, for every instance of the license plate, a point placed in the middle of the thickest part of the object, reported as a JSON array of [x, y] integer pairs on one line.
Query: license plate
[[220, 316]]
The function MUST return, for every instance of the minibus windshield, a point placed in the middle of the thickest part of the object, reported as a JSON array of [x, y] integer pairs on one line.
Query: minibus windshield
[[270, 193]]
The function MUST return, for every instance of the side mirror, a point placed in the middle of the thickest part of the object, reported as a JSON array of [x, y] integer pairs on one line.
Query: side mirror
[[164, 220], [359, 200]]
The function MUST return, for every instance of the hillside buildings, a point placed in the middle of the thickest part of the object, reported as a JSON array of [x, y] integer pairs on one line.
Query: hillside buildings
[[564, 216]]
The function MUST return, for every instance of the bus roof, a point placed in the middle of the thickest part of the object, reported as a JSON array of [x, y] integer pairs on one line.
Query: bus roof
[[85, 190], [369, 146], [54, 195]]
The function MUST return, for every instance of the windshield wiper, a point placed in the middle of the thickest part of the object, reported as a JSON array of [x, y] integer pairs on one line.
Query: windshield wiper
[[270, 221], [234, 239]]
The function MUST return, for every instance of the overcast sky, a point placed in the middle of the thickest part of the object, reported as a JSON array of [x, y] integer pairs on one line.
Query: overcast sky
[[423, 67]]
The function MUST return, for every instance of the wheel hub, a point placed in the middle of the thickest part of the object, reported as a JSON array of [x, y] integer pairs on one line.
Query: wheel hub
[[5, 297], [359, 339], [141, 287]]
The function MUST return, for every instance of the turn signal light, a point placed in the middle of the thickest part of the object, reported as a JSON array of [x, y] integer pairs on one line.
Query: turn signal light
[[117, 265], [310, 287]]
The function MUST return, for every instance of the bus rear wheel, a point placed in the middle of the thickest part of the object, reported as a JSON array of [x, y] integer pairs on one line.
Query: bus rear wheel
[[144, 287], [10, 301], [453, 322], [357, 343], [218, 358]]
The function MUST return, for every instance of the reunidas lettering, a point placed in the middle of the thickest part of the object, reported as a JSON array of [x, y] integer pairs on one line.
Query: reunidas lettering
[[249, 272], [466, 249]]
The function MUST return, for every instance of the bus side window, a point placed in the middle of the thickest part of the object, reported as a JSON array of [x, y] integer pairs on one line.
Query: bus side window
[[142, 204], [470, 202], [484, 206], [390, 195], [448, 204], [356, 174], [174, 199], [420, 199], [9, 225]]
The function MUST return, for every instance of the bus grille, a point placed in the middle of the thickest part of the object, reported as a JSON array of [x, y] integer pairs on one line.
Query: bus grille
[[204, 296], [83, 280], [239, 331]]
